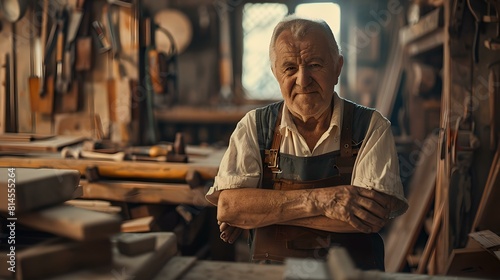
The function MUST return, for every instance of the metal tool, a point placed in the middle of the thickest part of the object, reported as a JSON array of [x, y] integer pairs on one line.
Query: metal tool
[[61, 84], [478, 23], [67, 152], [102, 43], [10, 96]]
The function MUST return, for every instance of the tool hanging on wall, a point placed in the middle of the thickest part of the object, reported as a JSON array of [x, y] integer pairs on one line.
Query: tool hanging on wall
[[168, 67], [478, 20], [149, 133], [101, 41], [119, 94], [61, 86], [10, 97], [464, 143], [83, 44], [35, 55], [46, 82], [70, 85]]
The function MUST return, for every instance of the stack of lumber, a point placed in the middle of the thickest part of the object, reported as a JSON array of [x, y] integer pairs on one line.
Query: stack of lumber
[[65, 240]]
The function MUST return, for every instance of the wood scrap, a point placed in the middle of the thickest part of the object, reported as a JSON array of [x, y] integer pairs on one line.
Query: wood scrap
[[72, 222], [143, 224]]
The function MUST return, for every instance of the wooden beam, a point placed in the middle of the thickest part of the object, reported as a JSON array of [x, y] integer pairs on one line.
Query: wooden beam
[[138, 192]]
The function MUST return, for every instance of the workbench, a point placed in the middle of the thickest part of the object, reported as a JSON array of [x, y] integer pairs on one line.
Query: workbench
[[188, 268]]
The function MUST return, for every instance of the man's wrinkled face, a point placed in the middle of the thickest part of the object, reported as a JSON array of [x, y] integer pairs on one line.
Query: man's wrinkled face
[[307, 72]]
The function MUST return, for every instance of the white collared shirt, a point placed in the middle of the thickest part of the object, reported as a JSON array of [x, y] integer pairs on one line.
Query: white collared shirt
[[376, 165]]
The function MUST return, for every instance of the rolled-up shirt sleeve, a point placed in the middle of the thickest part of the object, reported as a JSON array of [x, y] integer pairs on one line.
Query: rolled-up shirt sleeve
[[377, 165], [241, 164]]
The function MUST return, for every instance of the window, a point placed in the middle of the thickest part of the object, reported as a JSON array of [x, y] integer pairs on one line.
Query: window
[[258, 24]]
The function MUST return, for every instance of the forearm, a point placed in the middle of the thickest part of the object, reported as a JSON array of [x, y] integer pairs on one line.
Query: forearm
[[364, 210], [252, 208], [322, 223]]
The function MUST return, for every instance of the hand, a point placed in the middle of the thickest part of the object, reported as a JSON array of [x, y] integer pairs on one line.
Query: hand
[[228, 233], [365, 210]]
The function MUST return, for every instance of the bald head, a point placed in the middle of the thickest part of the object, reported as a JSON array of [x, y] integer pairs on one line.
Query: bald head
[[299, 27]]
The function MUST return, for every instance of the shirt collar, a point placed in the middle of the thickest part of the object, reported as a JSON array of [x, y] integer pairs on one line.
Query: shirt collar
[[287, 124]]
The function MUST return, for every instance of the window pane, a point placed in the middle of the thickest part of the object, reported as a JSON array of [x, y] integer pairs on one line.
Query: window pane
[[258, 24], [329, 12]]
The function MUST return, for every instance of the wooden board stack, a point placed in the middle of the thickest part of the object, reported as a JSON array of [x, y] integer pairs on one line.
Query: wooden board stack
[[71, 242], [31, 203]]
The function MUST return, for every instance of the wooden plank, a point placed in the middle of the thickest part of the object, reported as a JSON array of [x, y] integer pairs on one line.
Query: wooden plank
[[206, 166], [431, 242], [72, 222], [135, 244], [52, 144], [143, 267], [23, 137], [473, 262], [5, 48], [95, 205], [391, 79], [434, 40], [406, 228], [137, 192], [22, 64], [35, 188], [185, 114]]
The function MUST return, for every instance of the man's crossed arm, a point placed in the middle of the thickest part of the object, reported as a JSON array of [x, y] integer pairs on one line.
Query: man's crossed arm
[[337, 209]]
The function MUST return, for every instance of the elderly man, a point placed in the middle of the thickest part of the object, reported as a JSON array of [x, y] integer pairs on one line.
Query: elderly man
[[312, 171]]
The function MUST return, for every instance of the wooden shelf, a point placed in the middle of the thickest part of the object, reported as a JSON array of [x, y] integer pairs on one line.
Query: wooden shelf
[[427, 25], [199, 115], [427, 43]]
